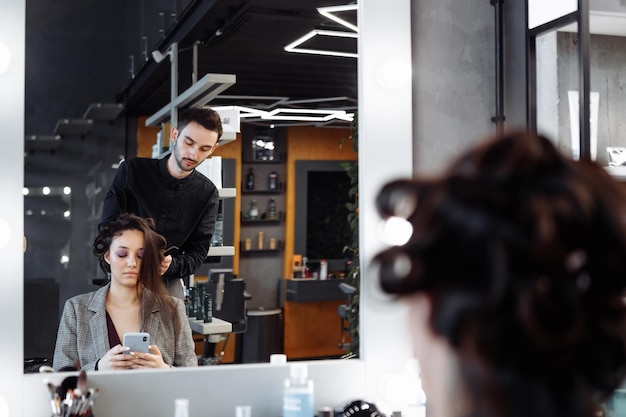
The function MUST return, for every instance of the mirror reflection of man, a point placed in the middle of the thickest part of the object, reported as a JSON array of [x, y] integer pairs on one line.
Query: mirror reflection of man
[[182, 201]]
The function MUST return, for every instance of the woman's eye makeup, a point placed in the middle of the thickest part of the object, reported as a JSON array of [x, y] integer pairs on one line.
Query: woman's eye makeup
[[121, 254]]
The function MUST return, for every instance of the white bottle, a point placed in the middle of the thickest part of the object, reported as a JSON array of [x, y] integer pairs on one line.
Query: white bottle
[[182, 407], [298, 393], [323, 269]]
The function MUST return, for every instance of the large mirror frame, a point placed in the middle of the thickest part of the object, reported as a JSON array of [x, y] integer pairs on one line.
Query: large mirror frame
[[385, 37]]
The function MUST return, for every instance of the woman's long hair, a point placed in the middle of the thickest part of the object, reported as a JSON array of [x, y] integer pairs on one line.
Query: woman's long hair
[[522, 252], [149, 273]]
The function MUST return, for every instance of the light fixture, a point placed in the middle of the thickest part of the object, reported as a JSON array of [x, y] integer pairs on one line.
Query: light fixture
[[328, 12], [295, 45], [395, 231], [48, 191], [158, 56], [304, 115]]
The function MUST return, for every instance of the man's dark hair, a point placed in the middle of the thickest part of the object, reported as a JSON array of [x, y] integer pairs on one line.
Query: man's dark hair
[[204, 116]]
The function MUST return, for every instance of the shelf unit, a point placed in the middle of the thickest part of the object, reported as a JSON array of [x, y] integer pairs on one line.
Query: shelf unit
[[242, 251], [277, 191], [260, 221]]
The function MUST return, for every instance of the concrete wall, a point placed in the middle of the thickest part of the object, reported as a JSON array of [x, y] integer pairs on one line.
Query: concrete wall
[[454, 78]]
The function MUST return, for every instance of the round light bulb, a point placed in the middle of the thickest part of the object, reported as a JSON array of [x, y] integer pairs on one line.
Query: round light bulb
[[394, 73], [395, 231]]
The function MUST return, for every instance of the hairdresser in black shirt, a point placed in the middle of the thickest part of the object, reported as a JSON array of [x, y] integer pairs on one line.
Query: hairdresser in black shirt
[[182, 202]]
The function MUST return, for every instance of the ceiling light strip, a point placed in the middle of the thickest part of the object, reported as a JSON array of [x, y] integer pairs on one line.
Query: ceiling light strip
[[328, 13], [294, 46]]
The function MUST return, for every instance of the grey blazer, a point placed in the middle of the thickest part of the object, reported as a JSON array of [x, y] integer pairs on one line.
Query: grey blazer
[[83, 335]]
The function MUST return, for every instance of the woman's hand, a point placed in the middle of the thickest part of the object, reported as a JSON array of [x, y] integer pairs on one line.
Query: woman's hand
[[116, 358], [153, 359]]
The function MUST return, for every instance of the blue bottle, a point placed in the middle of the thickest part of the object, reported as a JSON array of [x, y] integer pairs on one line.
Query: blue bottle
[[298, 393]]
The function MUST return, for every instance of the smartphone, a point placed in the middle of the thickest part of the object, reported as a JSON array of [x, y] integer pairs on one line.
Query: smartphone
[[137, 341], [172, 250]]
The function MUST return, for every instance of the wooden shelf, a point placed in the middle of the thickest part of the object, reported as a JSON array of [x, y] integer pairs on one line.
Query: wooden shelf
[[279, 190], [242, 251], [248, 222], [279, 160]]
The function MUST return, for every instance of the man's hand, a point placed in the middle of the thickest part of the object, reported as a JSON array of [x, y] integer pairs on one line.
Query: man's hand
[[165, 264]]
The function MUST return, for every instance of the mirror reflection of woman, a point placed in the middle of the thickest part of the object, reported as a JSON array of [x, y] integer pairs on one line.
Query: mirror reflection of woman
[[93, 324]]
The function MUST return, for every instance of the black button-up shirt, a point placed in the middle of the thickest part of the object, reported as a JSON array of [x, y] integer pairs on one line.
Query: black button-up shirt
[[184, 211]]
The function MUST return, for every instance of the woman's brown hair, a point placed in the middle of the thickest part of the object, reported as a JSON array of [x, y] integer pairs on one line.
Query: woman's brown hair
[[149, 273]]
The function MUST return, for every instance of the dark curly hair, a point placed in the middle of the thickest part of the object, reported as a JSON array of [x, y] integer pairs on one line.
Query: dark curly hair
[[522, 252], [149, 273]]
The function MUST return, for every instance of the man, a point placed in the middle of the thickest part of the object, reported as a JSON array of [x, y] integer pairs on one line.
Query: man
[[182, 202]]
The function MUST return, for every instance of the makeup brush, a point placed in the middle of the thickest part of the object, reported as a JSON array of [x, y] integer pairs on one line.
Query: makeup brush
[[81, 384], [55, 400]]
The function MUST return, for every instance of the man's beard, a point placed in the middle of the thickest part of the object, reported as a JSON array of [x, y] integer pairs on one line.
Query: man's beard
[[179, 160]]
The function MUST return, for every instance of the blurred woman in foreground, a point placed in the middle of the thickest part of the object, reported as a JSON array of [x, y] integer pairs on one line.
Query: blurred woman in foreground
[[515, 276]]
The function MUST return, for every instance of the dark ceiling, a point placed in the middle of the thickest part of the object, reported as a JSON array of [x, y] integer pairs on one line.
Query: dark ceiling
[[247, 38]]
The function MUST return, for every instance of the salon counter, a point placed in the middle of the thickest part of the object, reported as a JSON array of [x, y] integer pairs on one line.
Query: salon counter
[[211, 390]]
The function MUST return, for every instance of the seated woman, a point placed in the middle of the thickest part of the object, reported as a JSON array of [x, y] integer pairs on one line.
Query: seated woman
[[135, 300], [514, 276]]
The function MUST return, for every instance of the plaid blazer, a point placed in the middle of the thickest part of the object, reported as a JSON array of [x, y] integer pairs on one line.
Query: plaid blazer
[[83, 337]]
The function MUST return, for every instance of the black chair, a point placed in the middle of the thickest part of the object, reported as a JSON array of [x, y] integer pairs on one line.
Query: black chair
[[344, 311], [228, 302]]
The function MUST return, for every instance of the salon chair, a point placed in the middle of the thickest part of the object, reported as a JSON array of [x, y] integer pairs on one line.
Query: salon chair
[[345, 312], [228, 302]]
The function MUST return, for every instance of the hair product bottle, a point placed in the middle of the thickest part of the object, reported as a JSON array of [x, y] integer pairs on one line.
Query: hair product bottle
[[298, 392], [218, 234], [250, 180]]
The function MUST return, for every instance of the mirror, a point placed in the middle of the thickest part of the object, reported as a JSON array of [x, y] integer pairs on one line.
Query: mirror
[[58, 262], [379, 21]]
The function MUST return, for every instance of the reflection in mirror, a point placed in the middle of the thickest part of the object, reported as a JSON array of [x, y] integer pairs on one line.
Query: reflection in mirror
[[557, 92], [58, 259]]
